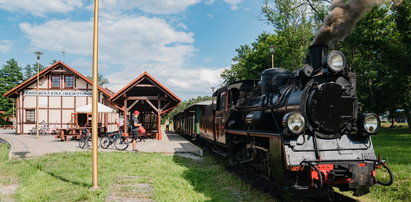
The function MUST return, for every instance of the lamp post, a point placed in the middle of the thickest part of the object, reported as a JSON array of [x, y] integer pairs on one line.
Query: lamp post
[[38, 54], [94, 135], [272, 55]]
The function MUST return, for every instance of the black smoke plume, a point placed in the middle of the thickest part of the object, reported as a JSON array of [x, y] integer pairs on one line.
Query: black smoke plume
[[341, 20]]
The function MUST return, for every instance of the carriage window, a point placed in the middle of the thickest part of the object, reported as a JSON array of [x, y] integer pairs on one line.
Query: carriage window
[[30, 116], [55, 81]]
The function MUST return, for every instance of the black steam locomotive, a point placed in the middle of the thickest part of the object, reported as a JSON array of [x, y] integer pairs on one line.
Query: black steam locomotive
[[303, 129]]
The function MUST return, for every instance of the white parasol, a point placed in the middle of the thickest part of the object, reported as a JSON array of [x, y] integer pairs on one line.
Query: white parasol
[[101, 109]]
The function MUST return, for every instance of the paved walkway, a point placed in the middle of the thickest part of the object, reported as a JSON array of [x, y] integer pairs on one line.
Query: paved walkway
[[25, 146]]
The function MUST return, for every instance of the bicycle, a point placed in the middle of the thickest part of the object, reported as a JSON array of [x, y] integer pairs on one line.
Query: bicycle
[[42, 130], [120, 142], [85, 139]]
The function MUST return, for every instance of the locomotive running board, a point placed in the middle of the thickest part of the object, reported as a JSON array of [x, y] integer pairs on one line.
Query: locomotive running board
[[252, 133]]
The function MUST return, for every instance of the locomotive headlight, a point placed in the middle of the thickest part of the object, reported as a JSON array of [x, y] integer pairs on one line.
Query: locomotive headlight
[[336, 61], [294, 122], [371, 123]]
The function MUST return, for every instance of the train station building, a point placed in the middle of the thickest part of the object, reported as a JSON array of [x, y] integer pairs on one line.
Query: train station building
[[62, 90]]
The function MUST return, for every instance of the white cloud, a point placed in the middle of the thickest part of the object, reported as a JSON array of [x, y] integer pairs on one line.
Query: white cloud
[[149, 6], [233, 3], [185, 83], [5, 46], [209, 2], [126, 40], [128, 46], [40, 7]]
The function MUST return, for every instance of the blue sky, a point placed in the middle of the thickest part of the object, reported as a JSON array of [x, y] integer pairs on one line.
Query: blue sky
[[185, 44]]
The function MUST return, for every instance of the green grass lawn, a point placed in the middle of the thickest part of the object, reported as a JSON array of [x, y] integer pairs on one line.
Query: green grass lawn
[[394, 145], [67, 177]]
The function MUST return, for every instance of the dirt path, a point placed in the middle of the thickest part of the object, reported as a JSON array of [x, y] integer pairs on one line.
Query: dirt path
[[7, 190], [131, 188]]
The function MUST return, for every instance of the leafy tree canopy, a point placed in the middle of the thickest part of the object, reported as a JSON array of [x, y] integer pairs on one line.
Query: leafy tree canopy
[[101, 80], [10, 77], [378, 50]]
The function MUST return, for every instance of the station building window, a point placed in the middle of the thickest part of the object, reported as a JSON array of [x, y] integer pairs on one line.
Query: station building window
[[30, 116], [55, 81], [68, 81]]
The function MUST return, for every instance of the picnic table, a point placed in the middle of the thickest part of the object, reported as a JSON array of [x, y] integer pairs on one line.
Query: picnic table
[[75, 133], [8, 127], [65, 133]]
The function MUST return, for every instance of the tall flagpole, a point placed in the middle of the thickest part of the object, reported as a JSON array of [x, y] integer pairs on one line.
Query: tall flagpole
[[94, 128]]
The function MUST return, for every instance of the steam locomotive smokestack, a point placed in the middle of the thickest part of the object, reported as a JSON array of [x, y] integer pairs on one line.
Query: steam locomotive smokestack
[[317, 52], [342, 18]]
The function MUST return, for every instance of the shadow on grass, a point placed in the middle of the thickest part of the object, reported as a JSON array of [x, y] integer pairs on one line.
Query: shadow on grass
[[58, 177], [211, 177]]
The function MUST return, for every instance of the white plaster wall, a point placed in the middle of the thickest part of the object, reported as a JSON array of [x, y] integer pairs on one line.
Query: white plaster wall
[[43, 115], [54, 102], [44, 83], [67, 116], [28, 127], [54, 116], [29, 101], [68, 102], [81, 101], [43, 102], [81, 84]]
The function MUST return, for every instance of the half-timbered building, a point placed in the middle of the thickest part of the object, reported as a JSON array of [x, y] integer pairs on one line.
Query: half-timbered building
[[61, 90]]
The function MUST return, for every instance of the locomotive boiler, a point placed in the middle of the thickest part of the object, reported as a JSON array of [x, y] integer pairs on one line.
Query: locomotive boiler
[[303, 129]]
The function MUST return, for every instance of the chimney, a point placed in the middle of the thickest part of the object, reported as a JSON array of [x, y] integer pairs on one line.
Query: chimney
[[317, 52]]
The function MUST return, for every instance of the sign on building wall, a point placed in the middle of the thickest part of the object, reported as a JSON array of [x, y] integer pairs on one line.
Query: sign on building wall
[[64, 93]]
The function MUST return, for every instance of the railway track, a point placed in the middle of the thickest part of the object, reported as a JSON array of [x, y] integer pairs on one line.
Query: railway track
[[261, 183]]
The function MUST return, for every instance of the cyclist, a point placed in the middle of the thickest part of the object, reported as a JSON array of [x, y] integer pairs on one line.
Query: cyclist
[[135, 124]]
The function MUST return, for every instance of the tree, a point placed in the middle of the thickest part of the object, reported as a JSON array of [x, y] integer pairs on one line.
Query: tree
[[379, 53], [183, 105], [10, 77], [293, 23], [31, 70], [101, 80]]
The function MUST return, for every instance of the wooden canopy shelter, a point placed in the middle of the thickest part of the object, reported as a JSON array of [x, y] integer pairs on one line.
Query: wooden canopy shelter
[[148, 96]]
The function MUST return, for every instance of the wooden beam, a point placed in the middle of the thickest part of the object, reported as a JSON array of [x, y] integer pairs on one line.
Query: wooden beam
[[162, 89], [151, 104], [159, 103], [145, 85], [168, 103], [132, 105], [144, 98], [125, 117]]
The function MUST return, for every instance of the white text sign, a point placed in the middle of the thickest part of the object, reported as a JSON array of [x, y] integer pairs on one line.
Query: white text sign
[[64, 93]]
